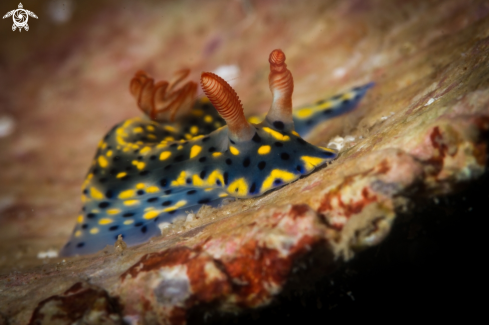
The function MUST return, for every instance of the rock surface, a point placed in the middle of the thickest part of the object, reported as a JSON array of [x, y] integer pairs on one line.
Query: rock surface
[[420, 132]]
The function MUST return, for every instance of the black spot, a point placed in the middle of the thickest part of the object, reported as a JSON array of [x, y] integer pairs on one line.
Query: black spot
[[188, 180], [218, 183], [284, 156], [140, 158], [109, 194], [211, 149], [138, 224], [152, 157], [256, 138], [299, 168], [136, 151], [125, 178], [128, 215], [336, 97], [140, 192], [278, 144], [163, 182], [173, 145], [246, 162], [128, 168], [172, 212], [328, 112], [144, 173], [204, 139], [232, 141], [156, 219], [191, 192], [253, 188], [80, 245], [346, 102], [103, 205], [144, 229], [229, 161], [117, 158], [113, 228], [310, 122], [179, 158], [167, 192], [166, 203], [167, 167], [261, 165], [204, 201], [95, 171], [113, 172], [301, 141], [277, 182], [91, 215], [84, 226], [279, 125], [226, 178], [153, 199], [319, 102], [202, 159], [85, 191], [202, 174], [84, 208]]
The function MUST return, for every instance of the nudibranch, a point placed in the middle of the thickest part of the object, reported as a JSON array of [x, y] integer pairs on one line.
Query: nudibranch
[[185, 154]]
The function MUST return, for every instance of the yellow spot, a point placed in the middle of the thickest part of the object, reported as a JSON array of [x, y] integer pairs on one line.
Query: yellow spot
[[170, 128], [197, 112], [239, 187], [78, 233], [151, 214], [145, 150], [96, 194], [196, 149], [109, 153], [169, 209], [325, 106], [180, 203], [285, 176], [94, 231], [102, 161], [214, 177], [137, 129], [128, 222], [207, 119], [180, 180], [208, 189], [188, 136], [126, 194], [104, 145], [328, 149], [295, 133], [197, 181], [113, 211], [276, 135], [217, 124], [80, 219], [234, 150], [254, 119], [216, 154], [169, 139], [304, 113], [105, 221], [152, 189], [204, 100], [131, 202], [179, 147], [150, 128], [194, 129], [151, 136], [223, 194], [263, 150], [140, 186], [122, 174], [164, 155], [140, 165], [311, 162]]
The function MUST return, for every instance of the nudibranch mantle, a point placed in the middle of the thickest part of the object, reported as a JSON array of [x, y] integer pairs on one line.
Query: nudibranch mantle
[[152, 170]]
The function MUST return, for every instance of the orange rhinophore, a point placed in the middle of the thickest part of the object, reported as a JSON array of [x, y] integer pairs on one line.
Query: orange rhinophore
[[162, 101], [282, 86], [227, 103]]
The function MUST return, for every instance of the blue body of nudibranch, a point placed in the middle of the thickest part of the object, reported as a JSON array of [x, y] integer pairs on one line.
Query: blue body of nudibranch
[[147, 172]]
